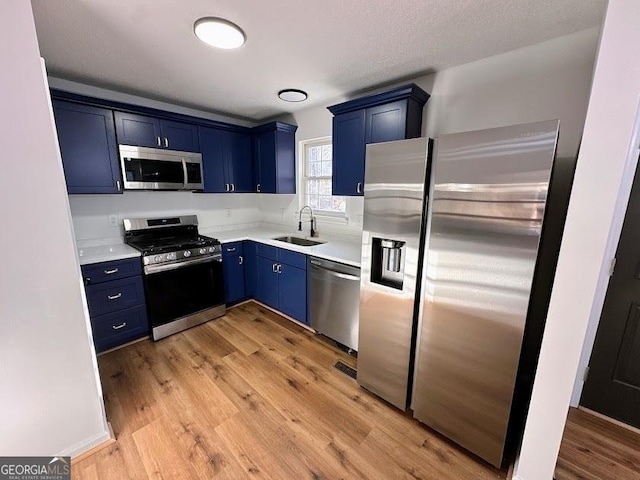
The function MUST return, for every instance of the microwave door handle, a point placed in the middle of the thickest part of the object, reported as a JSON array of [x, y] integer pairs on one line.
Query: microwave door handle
[[184, 174]]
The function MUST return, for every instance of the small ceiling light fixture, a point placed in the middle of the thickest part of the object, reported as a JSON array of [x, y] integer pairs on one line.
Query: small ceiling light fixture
[[292, 95], [219, 32]]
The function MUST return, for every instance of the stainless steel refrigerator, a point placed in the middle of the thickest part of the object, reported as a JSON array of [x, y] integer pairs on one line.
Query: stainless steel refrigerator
[[455, 285]]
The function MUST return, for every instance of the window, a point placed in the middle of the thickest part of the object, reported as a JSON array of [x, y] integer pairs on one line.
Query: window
[[317, 171]]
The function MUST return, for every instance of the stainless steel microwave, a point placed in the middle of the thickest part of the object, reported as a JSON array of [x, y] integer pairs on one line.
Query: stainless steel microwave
[[156, 169]]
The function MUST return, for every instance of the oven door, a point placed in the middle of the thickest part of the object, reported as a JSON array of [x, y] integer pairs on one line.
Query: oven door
[[191, 291]]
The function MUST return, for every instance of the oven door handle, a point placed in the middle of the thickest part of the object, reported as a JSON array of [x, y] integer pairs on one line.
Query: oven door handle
[[151, 269]]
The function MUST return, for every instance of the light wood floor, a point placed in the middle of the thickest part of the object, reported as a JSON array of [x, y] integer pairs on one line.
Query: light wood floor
[[252, 395], [595, 449]]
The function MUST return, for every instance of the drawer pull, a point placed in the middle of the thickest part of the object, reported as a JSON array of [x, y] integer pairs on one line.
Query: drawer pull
[[118, 327], [114, 297], [232, 249], [111, 272]]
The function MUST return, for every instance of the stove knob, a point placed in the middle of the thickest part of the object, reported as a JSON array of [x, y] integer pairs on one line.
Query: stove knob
[[171, 256], [211, 249], [203, 251], [187, 253], [157, 258]]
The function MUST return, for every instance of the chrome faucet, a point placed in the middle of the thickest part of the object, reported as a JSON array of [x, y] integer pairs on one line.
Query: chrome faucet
[[312, 231]]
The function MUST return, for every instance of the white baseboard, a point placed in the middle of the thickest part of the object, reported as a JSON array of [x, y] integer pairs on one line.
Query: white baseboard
[[86, 445]]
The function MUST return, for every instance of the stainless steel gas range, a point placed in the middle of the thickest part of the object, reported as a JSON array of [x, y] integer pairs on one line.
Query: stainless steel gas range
[[183, 276]]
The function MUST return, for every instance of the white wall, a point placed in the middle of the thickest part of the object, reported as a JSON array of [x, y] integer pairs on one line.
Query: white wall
[[215, 212], [545, 81], [601, 187], [51, 401]]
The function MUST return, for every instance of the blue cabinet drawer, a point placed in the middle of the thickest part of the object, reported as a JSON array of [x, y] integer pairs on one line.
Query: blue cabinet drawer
[[267, 251], [233, 248], [116, 295], [120, 327], [294, 259], [107, 271]]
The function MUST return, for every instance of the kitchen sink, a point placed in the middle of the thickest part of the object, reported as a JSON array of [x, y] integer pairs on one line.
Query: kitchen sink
[[303, 242]]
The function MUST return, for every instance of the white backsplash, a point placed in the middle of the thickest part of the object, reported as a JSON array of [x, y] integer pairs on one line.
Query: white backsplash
[[282, 210], [93, 225]]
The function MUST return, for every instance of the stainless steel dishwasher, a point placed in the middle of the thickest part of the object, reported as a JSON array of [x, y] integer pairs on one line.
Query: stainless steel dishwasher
[[334, 298]]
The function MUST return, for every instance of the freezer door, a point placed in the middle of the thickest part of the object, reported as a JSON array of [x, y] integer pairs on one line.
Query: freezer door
[[490, 190], [393, 216]]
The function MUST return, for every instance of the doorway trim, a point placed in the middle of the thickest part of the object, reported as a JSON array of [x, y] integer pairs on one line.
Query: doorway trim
[[622, 202]]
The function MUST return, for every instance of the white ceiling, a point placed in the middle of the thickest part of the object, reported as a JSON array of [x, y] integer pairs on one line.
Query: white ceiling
[[329, 48]]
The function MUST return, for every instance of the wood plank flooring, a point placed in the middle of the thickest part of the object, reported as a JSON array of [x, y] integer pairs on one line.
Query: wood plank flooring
[[252, 395], [595, 449]]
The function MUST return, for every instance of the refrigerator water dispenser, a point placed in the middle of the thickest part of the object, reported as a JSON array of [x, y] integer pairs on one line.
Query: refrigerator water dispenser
[[388, 262]]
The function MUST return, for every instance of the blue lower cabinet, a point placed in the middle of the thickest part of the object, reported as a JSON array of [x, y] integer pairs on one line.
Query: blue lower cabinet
[[250, 268], [267, 282], [119, 327], [115, 297], [292, 295], [233, 267]]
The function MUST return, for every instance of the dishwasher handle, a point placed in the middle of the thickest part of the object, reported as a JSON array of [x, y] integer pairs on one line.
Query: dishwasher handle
[[334, 273]]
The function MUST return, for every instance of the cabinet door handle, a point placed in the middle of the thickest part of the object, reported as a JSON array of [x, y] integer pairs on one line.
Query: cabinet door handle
[[118, 184], [274, 268], [166, 142], [114, 297], [359, 187], [233, 187], [226, 187], [118, 327], [279, 269], [258, 188], [111, 272], [240, 260]]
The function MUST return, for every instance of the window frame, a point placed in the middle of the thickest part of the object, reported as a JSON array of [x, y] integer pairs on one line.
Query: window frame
[[304, 145]]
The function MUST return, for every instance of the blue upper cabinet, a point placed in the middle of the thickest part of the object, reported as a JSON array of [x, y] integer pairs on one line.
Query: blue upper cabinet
[[226, 161], [240, 162], [138, 130], [274, 156], [145, 131], [179, 136], [349, 147], [213, 148], [386, 122], [87, 140], [392, 115]]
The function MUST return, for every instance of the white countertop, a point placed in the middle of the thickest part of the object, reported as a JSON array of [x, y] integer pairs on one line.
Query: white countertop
[[106, 253], [338, 250]]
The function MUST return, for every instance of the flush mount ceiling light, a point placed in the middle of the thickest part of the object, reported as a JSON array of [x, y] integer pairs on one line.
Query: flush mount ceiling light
[[292, 95], [219, 32]]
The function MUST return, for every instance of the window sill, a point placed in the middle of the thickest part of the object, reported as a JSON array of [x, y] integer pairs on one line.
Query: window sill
[[328, 217]]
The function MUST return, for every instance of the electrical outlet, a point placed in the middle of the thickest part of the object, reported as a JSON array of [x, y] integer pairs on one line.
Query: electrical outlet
[[228, 213], [113, 220]]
